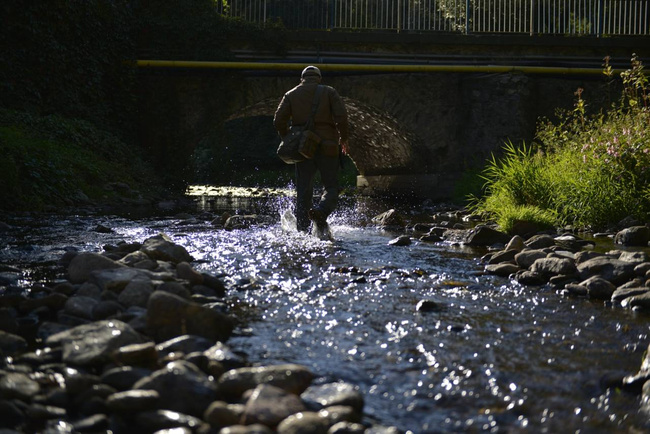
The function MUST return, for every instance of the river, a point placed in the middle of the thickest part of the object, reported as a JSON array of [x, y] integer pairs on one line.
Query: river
[[490, 356]]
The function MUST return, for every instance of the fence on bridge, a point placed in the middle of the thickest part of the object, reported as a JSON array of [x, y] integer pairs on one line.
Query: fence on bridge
[[534, 17]]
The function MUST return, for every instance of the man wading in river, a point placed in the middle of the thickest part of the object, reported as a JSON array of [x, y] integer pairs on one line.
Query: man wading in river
[[331, 125]]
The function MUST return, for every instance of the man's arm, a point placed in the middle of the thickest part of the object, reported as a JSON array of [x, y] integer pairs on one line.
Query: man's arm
[[282, 116]]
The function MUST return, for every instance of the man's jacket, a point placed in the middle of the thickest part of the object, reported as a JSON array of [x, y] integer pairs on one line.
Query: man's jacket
[[330, 120]]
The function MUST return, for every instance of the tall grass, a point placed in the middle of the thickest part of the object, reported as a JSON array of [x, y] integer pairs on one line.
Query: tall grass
[[586, 171]]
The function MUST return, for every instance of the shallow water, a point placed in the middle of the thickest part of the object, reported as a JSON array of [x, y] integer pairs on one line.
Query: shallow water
[[492, 356]]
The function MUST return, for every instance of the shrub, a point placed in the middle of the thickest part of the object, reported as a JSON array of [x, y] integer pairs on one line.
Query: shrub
[[588, 171]]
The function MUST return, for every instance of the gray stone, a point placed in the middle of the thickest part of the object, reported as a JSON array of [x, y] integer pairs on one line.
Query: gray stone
[[403, 240], [11, 344], [220, 414], [93, 344], [161, 247], [599, 288], [540, 241], [269, 405], [80, 306], [154, 421], [124, 377], [247, 429], [222, 354], [136, 292], [641, 301], [633, 236], [290, 377], [636, 257], [614, 270], [185, 344], [339, 393], [303, 423], [182, 388], [18, 385], [340, 413], [390, 219], [83, 264], [526, 258], [347, 428], [516, 243], [169, 316], [133, 401], [503, 256], [116, 279], [553, 266], [186, 272], [485, 236], [622, 293], [505, 269]]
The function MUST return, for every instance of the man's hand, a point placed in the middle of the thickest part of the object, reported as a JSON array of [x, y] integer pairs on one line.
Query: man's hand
[[344, 146]]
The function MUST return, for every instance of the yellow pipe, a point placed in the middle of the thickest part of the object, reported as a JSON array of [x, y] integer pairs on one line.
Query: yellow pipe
[[370, 67]]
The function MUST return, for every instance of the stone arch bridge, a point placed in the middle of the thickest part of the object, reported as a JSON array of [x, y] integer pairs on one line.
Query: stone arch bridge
[[413, 130]]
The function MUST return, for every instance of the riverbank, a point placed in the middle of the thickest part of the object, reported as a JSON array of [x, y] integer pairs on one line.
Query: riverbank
[[144, 314]]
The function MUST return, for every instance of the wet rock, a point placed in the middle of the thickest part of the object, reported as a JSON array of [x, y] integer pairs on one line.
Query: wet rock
[[633, 236], [80, 306], [116, 280], [303, 423], [124, 377], [403, 240], [269, 405], [290, 377], [42, 412], [182, 387], [136, 292], [11, 344], [516, 243], [485, 236], [576, 290], [599, 288], [185, 344], [247, 429], [161, 247], [347, 428], [214, 283], [427, 306], [540, 241], [584, 256], [642, 269], [144, 354], [532, 278], [94, 343], [54, 302], [637, 301], [106, 309], [220, 414], [614, 270], [548, 267], [152, 421], [186, 272], [390, 219], [340, 413], [83, 264], [176, 288], [223, 355], [133, 401], [241, 222], [503, 256], [330, 394], [95, 423], [622, 293], [169, 316], [505, 269], [18, 385], [636, 257]]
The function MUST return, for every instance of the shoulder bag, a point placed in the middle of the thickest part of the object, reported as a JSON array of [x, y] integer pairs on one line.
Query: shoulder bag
[[301, 142]]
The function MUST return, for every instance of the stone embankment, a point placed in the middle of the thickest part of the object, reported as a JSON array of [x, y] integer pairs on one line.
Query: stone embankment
[[134, 342]]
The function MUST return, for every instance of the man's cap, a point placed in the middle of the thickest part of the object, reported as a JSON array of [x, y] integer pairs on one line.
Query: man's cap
[[310, 71]]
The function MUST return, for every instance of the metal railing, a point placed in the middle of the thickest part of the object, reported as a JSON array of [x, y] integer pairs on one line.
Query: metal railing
[[534, 17]]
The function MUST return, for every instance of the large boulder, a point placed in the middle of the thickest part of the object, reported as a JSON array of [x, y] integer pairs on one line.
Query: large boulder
[[633, 236], [83, 264], [161, 247]]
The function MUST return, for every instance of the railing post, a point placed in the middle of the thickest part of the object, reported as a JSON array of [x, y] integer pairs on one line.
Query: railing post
[[399, 15], [532, 17], [468, 11], [601, 18]]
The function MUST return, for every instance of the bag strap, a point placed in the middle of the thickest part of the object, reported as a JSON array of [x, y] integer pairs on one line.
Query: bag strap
[[314, 106]]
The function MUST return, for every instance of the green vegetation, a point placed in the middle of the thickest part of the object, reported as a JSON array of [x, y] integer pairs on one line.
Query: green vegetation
[[585, 171], [72, 104], [52, 161]]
